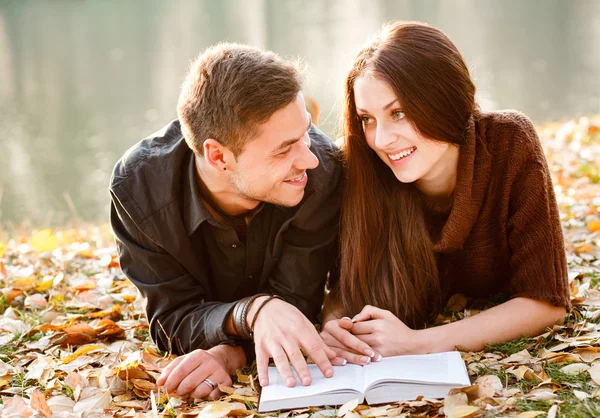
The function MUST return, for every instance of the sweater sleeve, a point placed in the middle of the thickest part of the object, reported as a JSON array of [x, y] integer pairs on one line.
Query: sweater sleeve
[[537, 255]]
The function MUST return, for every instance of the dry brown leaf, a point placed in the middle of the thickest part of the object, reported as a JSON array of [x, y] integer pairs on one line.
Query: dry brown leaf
[[60, 403], [529, 414], [575, 369], [220, 409], [594, 372], [95, 403], [242, 398], [38, 402], [489, 385], [16, 407], [348, 407], [552, 411]]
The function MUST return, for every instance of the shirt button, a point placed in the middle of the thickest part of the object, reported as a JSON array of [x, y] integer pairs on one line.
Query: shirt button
[[233, 245]]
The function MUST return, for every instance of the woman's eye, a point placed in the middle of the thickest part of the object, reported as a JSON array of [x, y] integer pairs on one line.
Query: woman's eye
[[367, 120], [398, 115]]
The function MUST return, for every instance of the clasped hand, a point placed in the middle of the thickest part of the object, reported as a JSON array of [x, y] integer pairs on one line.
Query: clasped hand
[[371, 334]]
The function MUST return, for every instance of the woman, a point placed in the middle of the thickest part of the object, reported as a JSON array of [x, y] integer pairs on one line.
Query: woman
[[440, 199]]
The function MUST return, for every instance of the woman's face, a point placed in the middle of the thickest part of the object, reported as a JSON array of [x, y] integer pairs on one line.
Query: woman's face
[[411, 156]]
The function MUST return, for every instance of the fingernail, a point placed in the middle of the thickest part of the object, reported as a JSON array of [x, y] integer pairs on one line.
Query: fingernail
[[354, 318], [378, 357], [344, 361], [306, 381], [263, 383], [369, 352], [347, 317], [328, 372], [290, 381], [365, 360]]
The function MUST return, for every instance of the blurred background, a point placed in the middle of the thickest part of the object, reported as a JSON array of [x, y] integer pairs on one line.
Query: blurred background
[[83, 80]]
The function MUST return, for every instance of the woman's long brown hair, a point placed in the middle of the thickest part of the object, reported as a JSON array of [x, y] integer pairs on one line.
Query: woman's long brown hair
[[387, 257]]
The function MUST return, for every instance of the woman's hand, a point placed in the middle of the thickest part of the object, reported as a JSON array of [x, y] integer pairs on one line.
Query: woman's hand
[[338, 336], [384, 332]]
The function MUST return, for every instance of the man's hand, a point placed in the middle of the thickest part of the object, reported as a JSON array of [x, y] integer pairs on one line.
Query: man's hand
[[384, 332], [337, 334], [280, 332], [186, 374]]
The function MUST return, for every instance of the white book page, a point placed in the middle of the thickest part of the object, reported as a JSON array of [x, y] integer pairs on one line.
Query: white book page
[[439, 368], [348, 377]]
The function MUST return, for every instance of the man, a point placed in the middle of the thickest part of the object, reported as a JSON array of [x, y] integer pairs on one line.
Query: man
[[236, 201]]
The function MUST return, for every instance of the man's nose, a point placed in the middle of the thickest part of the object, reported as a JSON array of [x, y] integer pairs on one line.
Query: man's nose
[[307, 160]]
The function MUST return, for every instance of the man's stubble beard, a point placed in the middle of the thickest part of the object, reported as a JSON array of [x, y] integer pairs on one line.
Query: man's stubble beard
[[240, 185]]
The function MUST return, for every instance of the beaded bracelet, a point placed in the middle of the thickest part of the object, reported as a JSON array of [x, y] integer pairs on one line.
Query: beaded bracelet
[[267, 300]]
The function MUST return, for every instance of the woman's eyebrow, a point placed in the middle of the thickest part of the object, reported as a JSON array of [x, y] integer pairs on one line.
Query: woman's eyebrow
[[386, 107]]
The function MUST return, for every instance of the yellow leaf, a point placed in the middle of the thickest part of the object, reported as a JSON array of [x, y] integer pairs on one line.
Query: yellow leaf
[[243, 398], [44, 240], [220, 409], [25, 283], [593, 226], [80, 351], [45, 285], [463, 411], [529, 414], [2, 249]]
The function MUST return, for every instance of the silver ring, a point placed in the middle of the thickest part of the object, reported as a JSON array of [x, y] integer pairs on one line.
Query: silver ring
[[210, 383]]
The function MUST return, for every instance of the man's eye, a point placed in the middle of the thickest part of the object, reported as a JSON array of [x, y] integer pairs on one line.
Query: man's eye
[[286, 152], [398, 115]]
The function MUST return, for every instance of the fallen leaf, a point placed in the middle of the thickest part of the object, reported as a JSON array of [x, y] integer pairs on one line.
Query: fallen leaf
[[594, 226], [36, 301], [60, 403], [44, 240], [80, 351], [38, 402], [94, 403], [16, 407], [219, 409], [552, 411], [489, 385], [594, 372], [529, 414], [348, 407], [575, 369], [582, 396]]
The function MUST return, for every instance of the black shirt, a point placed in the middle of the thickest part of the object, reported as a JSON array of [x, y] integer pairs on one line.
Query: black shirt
[[191, 269]]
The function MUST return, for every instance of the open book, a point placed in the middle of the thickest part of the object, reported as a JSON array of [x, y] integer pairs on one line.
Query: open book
[[389, 380]]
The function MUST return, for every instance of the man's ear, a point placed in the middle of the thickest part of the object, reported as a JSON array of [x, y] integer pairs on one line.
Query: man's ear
[[216, 155]]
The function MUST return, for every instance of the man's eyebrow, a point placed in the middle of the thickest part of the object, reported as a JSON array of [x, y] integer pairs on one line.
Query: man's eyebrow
[[386, 107], [293, 141]]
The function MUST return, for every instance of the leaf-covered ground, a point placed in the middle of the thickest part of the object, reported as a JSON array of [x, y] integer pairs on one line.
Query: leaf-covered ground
[[74, 340]]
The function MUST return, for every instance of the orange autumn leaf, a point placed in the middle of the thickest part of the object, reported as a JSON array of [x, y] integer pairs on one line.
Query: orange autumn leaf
[[86, 285], [38, 402], [79, 334], [25, 283], [594, 226], [3, 272], [108, 329]]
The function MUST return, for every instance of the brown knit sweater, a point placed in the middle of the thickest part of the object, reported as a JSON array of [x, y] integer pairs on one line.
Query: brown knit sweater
[[502, 232]]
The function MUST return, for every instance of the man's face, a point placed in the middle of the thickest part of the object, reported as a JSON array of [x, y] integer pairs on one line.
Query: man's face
[[272, 167]]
